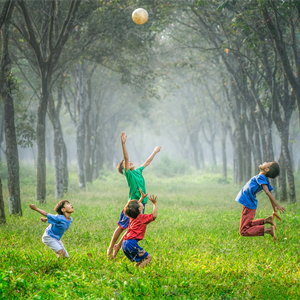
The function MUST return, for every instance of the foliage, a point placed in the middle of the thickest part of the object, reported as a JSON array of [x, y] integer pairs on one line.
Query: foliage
[[167, 166]]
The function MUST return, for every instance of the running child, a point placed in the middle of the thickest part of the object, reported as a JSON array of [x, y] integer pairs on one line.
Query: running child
[[247, 197], [59, 224], [136, 230], [135, 182]]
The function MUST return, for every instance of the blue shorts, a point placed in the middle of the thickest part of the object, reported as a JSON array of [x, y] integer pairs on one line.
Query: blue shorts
[[133, 251], [124, 220]]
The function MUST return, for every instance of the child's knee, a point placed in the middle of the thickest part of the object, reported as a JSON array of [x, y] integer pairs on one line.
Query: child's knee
[[242, 231]]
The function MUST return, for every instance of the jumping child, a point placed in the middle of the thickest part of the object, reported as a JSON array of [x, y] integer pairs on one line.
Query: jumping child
[[136, 230], [59, 224], [247, 197], [135, 182]]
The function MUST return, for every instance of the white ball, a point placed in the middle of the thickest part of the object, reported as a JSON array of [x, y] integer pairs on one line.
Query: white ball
[[140, 16]]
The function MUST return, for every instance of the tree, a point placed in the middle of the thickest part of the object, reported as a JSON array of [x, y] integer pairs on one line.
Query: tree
[[7, 87]]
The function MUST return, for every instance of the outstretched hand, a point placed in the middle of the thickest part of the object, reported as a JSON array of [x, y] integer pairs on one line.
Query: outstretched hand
[[44, 220], [280, 208], [157, 149], [32, 206], [143, 195], [123, 137], [152, 198]]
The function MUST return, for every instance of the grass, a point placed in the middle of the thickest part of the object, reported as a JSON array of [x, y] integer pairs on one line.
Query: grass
[[197, 251]]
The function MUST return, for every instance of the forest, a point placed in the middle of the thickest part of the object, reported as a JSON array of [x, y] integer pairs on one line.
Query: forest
[[215, 83]]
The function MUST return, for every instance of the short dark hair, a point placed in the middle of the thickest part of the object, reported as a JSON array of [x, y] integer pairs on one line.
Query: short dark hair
[[274, 170], [120, 167], [61, 204], [131, 209]]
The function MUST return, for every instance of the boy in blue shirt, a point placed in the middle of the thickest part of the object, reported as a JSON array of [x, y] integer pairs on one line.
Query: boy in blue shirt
[[136, 183], [247, 197], [59, 224]]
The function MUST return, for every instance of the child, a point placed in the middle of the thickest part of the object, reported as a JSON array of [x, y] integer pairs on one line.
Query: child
[[136, 230], [135, 182], [247, 197], [59, 224]]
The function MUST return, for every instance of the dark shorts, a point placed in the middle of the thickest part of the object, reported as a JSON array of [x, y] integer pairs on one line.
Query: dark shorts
[[124, 220], [133, 251]]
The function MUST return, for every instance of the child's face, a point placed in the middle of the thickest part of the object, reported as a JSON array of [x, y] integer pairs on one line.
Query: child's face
[[68, 208], [141, 208], [265, 167], [131, 165]]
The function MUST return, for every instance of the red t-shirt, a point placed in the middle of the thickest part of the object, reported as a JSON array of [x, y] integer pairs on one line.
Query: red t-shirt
[[137, 227]]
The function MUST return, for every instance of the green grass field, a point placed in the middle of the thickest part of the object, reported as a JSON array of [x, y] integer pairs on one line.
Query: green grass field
[[196, 248]]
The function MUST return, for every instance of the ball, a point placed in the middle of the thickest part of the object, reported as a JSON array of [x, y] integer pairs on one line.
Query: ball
[[140, 16]]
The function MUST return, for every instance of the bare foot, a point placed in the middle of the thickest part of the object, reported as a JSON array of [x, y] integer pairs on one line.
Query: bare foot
[[273, 233], [271, 220], [116, 250], [44, 219], [109, 253], [143, 263]]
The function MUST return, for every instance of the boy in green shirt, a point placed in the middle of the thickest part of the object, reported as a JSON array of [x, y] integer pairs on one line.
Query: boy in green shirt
[[135, 182]]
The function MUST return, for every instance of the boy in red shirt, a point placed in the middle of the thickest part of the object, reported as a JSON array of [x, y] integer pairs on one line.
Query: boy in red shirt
[[136, 230]]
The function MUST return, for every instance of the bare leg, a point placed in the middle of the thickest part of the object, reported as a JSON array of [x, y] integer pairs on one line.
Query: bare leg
[[271, 231], [270, 220], [113, 241], [146, 261], [117, 247]]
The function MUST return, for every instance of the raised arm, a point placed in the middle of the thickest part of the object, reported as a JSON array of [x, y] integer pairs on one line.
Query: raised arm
[[274, 204], [143, 196], [42, 212], [125, 154], [154, 201], [150, 158]]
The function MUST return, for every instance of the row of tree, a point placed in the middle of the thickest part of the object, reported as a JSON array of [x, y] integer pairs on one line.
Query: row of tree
[[230, 67]]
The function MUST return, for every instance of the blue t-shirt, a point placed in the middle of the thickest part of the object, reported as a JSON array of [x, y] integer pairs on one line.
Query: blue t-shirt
[[58, 225], [247, 195]]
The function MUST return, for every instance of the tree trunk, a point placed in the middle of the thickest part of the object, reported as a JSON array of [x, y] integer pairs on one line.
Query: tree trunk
[[263, 140], [80, 133], [65, 166], [287, 159], [59, 180], [40, 193], [88, 135], [2, 211], [257, 153], [6, 82], [201, 156], [1, 130], [57, 146], [282, 178], [194, 144], [224, 156]]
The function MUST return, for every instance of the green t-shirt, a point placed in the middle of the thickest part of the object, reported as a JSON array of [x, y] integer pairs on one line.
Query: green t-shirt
[[135, 181]]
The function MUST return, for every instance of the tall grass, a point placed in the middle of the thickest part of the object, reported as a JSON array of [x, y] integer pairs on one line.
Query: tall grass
[[197, 251]]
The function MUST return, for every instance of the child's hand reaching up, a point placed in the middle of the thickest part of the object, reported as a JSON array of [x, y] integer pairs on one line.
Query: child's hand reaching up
[[153, 199], [123, 137], [143, 196], [157, 149]]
